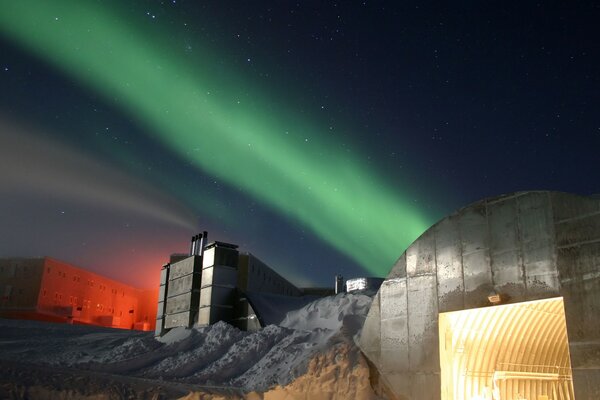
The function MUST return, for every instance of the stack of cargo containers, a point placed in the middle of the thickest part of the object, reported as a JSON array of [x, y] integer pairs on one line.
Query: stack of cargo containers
[[183, 294], [162, 297], [219, 280]]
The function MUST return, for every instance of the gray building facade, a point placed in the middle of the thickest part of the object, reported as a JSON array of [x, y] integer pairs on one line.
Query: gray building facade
[[215, 283], [498, 300]]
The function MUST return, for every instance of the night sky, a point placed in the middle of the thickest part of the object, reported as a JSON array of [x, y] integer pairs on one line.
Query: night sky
[[323, 137]]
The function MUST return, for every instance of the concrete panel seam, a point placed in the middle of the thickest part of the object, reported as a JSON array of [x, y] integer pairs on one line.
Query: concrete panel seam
[[585, 242], [582, 216]]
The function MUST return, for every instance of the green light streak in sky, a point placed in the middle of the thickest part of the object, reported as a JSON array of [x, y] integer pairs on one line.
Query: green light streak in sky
[[223, 129]]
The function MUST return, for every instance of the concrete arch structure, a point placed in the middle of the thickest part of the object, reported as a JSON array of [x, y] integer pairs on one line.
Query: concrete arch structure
[[507, 250]]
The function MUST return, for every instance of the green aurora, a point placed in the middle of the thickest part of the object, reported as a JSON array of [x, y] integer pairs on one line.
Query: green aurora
[[208, 116]]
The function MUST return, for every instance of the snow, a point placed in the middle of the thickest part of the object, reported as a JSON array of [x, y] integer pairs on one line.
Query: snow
[[175, 335], [220, 355]]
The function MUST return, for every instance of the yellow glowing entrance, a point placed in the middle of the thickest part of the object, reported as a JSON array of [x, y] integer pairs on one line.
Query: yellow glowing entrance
[[506, 352]]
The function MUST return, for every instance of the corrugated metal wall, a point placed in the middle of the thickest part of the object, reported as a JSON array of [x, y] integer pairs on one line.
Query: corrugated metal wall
[[524, 246]]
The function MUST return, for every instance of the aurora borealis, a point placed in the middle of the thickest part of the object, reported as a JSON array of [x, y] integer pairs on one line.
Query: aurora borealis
[[212, 120]]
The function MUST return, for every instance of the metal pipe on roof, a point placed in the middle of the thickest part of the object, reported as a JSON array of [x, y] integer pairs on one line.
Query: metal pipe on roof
[[193, 245], [203, 241]]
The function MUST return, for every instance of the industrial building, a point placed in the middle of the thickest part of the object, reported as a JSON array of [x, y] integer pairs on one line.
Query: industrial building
[[216, 282], [363, 284], [500, 300], [46, 289]]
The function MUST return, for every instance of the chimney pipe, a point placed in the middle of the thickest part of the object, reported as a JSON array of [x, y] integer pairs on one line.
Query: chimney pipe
[[196, 238], [339, 284], [192, 245], [203, 242]]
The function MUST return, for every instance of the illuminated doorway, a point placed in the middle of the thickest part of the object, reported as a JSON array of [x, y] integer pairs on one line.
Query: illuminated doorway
[[506, 352]]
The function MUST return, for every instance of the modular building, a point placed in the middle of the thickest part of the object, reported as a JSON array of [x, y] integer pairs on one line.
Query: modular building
[[216, 282], [500, 300], [51, 290]]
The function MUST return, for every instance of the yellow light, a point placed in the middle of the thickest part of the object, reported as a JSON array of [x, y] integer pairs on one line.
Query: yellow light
[[508, 352]]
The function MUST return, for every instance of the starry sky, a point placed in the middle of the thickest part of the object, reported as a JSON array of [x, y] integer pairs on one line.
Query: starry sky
[[323, 137]]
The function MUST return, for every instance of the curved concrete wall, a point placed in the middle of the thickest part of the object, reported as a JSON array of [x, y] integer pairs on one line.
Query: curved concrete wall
[[523, 246]]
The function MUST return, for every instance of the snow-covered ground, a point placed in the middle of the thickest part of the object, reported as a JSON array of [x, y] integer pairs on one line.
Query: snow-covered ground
[[310, 351]]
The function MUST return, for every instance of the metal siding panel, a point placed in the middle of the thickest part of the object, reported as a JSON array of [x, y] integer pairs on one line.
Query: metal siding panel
[[591, 306], [224, 276], [538, 246], [567, 206], [399, 268], [213, 314], [207, 276], [159, 326], [219, 275], [184, 284], [179, 303], [204, 316], [394, 326], [401, 385], [411, 255], [449, 265], [394, 345], [541, 271], [160, 309], [228, 257], [208, 257], [507, 275], [580, 279], [505, 249], [567, 260], [180, 319], [535, 219], [426, 386], [502, 219], [184, 267], [584, 229], [473, 229], [164, 275], [222, 296], [220, 256], [420, 256], [370, 337], [478, 279], [206, 296], [393, 298], [422, 323], [216, 295], [476, 261], [422, 295]]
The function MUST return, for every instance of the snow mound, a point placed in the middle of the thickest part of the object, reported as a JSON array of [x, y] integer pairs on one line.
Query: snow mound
[[217, 355], [328, 312], [175, 335]]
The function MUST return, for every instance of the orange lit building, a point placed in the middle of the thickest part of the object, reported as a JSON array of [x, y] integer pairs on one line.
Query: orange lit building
[[50, 290]]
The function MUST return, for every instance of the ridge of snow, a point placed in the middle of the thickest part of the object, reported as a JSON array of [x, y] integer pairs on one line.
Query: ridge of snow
[[219, 354]]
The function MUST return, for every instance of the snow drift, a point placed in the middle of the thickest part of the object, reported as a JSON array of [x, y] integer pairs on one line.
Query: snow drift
[[314, 342]]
